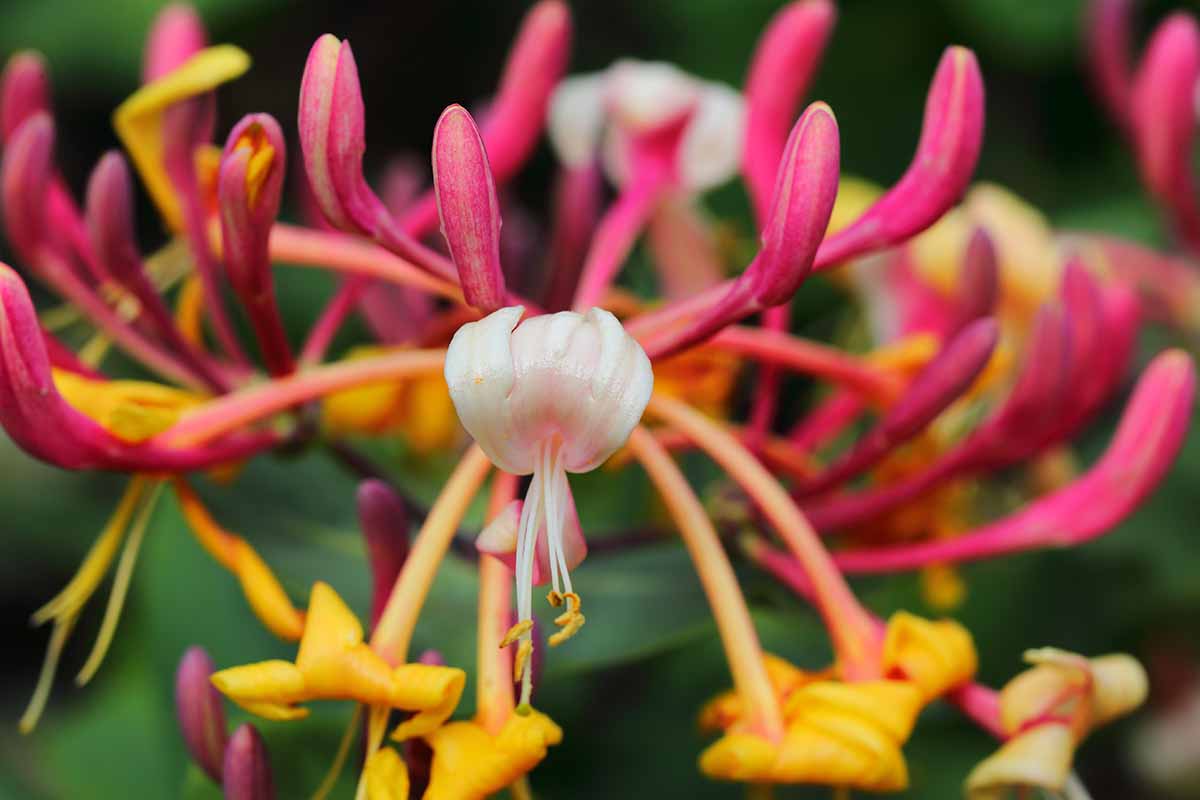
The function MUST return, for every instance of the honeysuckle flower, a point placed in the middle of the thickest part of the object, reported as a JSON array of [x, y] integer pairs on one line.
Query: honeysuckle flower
[[553, 394], [333, 663], [846, 734], [1047, 711], [201, 715]]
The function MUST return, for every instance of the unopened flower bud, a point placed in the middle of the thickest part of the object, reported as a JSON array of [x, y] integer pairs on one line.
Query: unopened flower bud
[[201, 715], [384, 522], [247, 767], [468, 208], [24, 91]]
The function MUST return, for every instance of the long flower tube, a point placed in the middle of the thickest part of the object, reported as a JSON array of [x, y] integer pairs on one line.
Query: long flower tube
[[845, 619], [941, 383], [230, 412], [1016, 429], [762, 714], [110, 225], [29, 216], [1147, 440], [805, 188]]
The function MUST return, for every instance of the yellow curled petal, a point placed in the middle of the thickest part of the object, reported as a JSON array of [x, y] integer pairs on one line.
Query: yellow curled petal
[[726, 708], [1119, 686], [837, 735], [432, 691], [266, 596], [267, 682], [138, 120], [274, 711], [469, 764], [385, 776], [936, 656], [1058, 683], [890, 706], [740, 756], [331, 628], [1038, 758]]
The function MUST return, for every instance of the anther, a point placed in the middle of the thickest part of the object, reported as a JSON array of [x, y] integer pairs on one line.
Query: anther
[[516, 632]]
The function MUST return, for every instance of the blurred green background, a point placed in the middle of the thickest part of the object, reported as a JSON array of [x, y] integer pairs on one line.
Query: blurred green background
[[627, 690]]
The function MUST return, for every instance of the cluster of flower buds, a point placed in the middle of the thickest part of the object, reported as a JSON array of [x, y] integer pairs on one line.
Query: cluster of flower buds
[[992, 344]]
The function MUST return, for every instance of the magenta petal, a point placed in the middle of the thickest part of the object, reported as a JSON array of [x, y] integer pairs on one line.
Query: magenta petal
[[1148, 439], [24, 91], [1109, 43], [535, 65], [468, 208], [936, 387], [199, 711], [1164, 120], [979, 286], [316, 101], [384, 520], [951, 135], [25, 176], [784, 61], [247, 767], [176, 35], [805, 188]]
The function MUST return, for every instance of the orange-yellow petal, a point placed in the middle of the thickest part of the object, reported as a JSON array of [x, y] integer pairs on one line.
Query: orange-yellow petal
[[470, 764], [385, 776], [935, 656]]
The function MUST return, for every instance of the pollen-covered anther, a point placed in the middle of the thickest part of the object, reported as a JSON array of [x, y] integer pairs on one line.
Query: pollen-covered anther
[[516, 632], [570, 621]]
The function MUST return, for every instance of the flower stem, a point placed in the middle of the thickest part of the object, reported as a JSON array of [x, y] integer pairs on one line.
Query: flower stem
[[258, 402], [849, 624], [742, 648], [306, 247], [393, 632], [493, 691]]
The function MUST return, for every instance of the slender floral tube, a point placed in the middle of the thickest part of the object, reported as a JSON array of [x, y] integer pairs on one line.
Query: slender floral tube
[[1151, 432], [805, 188], [249, 189], [938, 385], [256, 403], [577, 196], [787, 55], [468, 208], [393, 633], [1109, 48], [109, 215], [951, 135], [743, 651], [176, 35], [848, 623], [493, 691], [1163, 121]]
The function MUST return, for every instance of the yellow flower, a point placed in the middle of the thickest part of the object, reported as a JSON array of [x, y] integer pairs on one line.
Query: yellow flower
[[838, 733], [471, 764], [333, 663], [1047, 711]]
